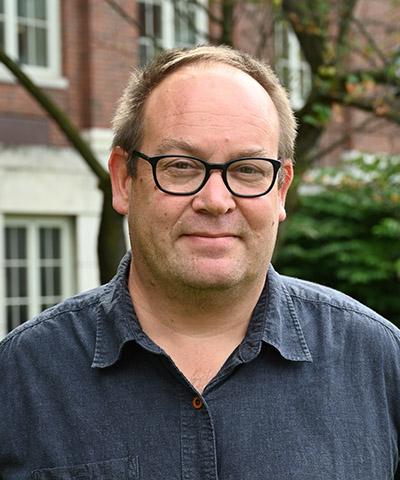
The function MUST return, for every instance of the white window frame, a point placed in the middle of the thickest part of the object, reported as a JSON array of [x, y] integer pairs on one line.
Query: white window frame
[[49, 76], [167, 39], [294, 63], [32, 225]]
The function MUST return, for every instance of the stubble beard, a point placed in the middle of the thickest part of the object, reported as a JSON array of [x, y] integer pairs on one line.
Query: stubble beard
[[185, 281]]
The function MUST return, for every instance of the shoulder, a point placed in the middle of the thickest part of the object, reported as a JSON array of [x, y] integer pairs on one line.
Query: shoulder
[[319, 304], [54, 323]]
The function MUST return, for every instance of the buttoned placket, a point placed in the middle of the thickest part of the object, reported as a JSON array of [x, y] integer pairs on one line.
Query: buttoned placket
[[198, 437], [197, 431], [198, 446]]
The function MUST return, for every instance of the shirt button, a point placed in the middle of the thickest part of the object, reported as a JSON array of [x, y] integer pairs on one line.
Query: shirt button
[[197, 403]]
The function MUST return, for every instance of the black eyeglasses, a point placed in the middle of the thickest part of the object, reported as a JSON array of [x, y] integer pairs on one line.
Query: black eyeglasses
[[185, 175]]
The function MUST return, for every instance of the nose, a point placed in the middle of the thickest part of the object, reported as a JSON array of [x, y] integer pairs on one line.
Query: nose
[[214, 198]]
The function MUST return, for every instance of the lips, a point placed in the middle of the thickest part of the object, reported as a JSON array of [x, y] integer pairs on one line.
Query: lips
[[210, 234]]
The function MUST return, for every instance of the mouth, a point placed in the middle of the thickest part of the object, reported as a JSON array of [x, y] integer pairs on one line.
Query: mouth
[[211, 235], [215, 245]]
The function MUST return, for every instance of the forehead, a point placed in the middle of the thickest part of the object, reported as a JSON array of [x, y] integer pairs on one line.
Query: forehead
[[205, 80], [214, 97]]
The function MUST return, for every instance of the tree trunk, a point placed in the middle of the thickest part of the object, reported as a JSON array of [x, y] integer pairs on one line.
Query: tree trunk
[[111, 239], [111, 244]]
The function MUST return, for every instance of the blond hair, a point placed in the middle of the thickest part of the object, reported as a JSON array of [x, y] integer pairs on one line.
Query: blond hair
[[128, 120]]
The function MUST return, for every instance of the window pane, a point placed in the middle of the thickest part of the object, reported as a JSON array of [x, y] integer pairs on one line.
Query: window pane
[[23, 8], [2, 41], [15, 243], [177, 24], [9, 283], [22, 281], [191, 31], [23, 44], [50, 244], [8, 243], [43, 306], [12, 317], [157, 21], [144, 54], [16, 282], [50, 281], [56, 281], [56, 243], [142, 17], [40, 9], [184, 22], [41, 46], [42, 243], [43, 282], [16, 314], [21, 239]]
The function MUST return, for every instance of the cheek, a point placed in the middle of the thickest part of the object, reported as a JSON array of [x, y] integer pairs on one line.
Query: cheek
[[261, 215]]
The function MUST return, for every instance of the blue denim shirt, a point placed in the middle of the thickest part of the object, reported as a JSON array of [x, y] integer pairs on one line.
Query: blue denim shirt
[[312, 392]]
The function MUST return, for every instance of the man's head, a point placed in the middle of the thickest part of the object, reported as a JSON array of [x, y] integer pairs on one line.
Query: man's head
[[213, 110], [129, 118]]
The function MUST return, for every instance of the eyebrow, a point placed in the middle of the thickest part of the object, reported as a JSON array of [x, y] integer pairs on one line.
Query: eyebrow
[[169, 144]]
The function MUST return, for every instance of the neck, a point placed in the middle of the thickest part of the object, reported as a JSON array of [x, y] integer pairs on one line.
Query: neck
[[197, 328], [186, 311]]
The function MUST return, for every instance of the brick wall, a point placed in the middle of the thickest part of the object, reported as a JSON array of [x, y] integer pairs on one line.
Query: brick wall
[[99, 48], [98, 51], [380, 20]]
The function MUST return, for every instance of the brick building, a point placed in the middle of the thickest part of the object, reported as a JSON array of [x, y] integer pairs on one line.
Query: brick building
[[80, 52]]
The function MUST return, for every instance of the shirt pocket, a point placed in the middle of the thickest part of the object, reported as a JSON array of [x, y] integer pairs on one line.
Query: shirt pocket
[[117, 469]]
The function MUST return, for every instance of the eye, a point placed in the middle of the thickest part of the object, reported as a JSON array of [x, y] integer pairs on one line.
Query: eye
[[182, 165], [247, 169], [179, 166]]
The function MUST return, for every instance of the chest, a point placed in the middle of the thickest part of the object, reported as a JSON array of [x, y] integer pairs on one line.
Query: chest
[[259, 420]]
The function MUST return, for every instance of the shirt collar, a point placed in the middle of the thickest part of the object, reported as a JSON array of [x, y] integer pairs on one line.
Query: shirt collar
[[282, 326], [274, 319], [117, 323]]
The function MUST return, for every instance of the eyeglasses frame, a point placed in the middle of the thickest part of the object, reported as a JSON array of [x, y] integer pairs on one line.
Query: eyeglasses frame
[[223, 167]]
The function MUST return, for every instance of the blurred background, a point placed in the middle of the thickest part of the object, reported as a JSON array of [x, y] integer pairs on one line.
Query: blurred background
[[63, 66]]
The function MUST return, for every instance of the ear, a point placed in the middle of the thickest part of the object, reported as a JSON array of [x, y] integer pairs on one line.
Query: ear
[[120, 180], [283, 189]]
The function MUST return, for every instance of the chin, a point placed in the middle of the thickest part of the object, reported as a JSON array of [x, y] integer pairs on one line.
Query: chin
[[217, 279]]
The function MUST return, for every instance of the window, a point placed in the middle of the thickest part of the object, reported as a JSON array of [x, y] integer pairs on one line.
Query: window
[[185, 24], [169, 23], [30, 32], [2, 25], [291, 67], [37, 266]]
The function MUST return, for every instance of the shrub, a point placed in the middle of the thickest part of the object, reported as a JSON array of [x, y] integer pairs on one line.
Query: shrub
[[346, 232]]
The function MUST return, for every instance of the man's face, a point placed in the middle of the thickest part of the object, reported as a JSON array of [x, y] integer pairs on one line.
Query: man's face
[[211, 239]]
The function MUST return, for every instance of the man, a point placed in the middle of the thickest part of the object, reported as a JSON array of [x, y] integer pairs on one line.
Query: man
[[198, 361]]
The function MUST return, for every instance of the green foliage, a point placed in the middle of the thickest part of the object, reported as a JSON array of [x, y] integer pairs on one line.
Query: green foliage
[[320, 115], [346, 232]]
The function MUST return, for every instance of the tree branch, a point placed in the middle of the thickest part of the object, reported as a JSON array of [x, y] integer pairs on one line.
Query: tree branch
[[344, 138], [309, 22], [380, 110], [60, 118], [346, 19], [125, 16], [370, 40], [133, 22], [213, 18], [183, 13]]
